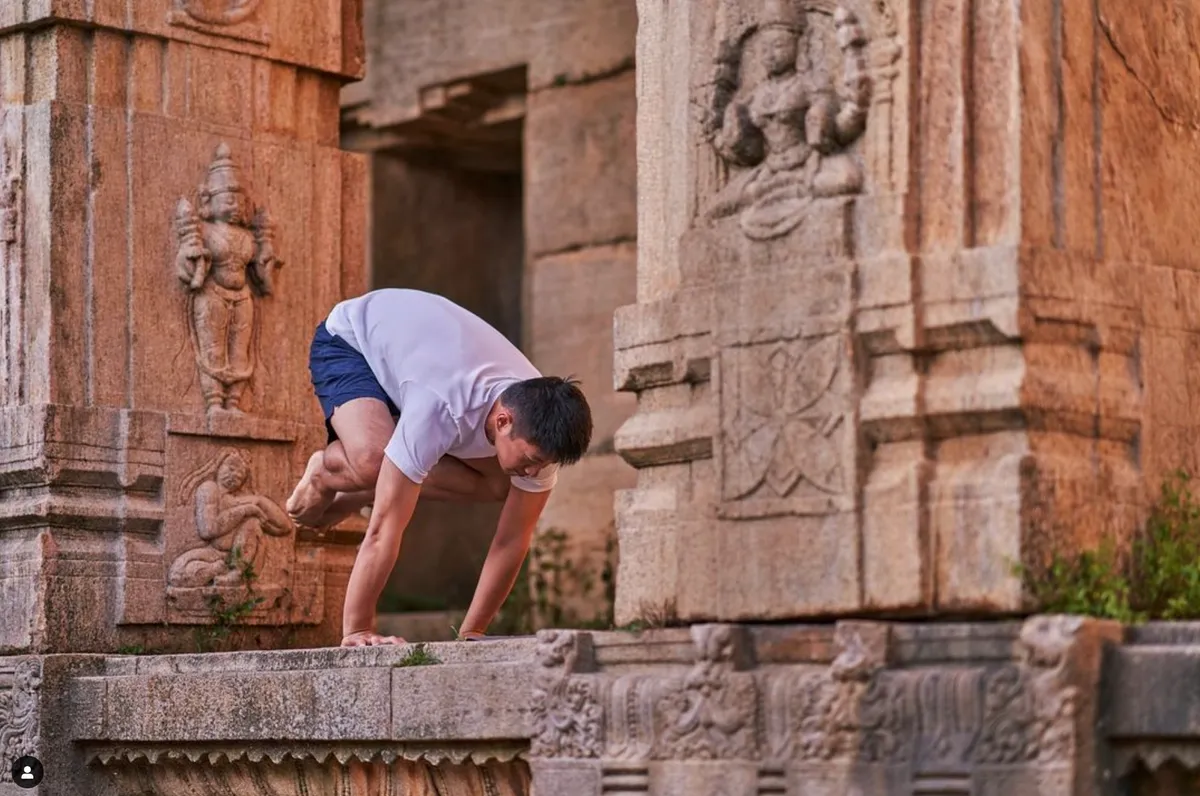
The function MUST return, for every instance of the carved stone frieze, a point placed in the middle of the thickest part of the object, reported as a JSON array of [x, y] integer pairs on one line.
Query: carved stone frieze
[[303, 775], [235, 19], [568, 719], [19, 714], [784, 117], [859, 709], [227, 263], [709, 714], [785, 420]]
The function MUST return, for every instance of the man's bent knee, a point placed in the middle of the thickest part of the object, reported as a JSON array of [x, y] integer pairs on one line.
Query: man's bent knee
[[364, 467]]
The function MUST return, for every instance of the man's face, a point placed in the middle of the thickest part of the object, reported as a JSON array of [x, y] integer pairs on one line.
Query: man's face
[[516, 456]]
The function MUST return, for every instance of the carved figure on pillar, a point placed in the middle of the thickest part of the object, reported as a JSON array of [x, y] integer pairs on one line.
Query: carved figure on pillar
[[232, 523], [10, 185], [786, 136], [226, 260]]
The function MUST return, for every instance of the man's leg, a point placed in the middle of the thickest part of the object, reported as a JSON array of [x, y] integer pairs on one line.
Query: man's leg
[[466, 481], [344, 505], [350, 464]]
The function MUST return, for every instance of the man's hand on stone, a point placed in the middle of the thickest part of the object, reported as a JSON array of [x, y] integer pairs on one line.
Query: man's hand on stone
[[369, 638]]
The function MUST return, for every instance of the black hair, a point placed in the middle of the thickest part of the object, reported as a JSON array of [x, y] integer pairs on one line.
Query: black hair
[[553, 414]]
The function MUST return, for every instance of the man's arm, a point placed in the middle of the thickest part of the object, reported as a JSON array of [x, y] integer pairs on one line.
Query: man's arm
[[395, 499], [514, 533]]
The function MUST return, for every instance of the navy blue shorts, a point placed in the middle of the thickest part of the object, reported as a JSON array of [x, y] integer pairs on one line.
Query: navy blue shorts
[[341, 374]]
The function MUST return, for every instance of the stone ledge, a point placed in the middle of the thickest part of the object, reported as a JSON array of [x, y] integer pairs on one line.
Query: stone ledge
[[474, 693]]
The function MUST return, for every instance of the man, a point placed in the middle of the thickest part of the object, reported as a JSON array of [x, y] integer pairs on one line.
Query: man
[[424, 399]]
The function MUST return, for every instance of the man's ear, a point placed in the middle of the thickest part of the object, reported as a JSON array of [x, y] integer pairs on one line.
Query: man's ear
[[504, 421]]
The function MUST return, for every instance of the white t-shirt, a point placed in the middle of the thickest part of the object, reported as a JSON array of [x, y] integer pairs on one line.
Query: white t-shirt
[[443, 366]]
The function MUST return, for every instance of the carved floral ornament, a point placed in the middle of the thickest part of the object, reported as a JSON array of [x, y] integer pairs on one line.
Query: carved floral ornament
[[1020, 714], [790, 94], [19, 715], [785, 415]]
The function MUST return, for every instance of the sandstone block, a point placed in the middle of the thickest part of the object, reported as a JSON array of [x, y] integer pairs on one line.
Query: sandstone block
[[570, 325], [580, 180]]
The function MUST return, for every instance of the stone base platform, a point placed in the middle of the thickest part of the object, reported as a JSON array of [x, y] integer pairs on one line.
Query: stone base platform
[[1048, 706]]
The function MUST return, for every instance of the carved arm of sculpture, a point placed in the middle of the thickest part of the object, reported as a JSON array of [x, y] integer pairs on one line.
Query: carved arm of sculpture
[[739, 141], [855, 90], [213, 522], [192, 259], [265, 262], [275, 520], [733, 134]]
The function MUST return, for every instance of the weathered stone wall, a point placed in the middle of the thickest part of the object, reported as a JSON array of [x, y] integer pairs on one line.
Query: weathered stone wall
[[502, 141], [176, 216], [856, 708], [906, 316]]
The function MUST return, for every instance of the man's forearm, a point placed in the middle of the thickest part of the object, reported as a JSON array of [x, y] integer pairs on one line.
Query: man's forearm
[[514, 534], [396, 497], [370, 575]]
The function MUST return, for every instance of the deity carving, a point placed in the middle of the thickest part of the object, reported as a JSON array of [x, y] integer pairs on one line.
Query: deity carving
[[787, 136], [233, 522], [227, 263]]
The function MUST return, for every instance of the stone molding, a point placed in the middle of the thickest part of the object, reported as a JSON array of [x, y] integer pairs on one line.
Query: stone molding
[[1016, 718]]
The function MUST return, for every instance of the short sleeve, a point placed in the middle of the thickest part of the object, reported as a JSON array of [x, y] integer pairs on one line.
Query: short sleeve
[[544, 482], [424, 432]]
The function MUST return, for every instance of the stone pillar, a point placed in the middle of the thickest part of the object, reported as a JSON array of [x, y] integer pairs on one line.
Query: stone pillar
[[176, 217], [912, 308], [581, 265]]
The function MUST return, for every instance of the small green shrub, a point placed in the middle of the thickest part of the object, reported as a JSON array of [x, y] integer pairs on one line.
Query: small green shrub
[[419, 655], [547, 577], [1157, 578]]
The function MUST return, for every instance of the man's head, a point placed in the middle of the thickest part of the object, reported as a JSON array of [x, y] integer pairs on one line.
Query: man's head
[[539, 422]]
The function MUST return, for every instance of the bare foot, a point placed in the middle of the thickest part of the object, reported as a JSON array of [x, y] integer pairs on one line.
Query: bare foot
[[307, 503]]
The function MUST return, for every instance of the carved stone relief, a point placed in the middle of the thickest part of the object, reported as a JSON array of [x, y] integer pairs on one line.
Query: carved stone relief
[[785, 421], [566, 710], [234, 19], [711, 713], [10, 193], [1013, 720], [226, 262], [784, 116], [303, 774], [18, 713], [11, 325], [247, 544]]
